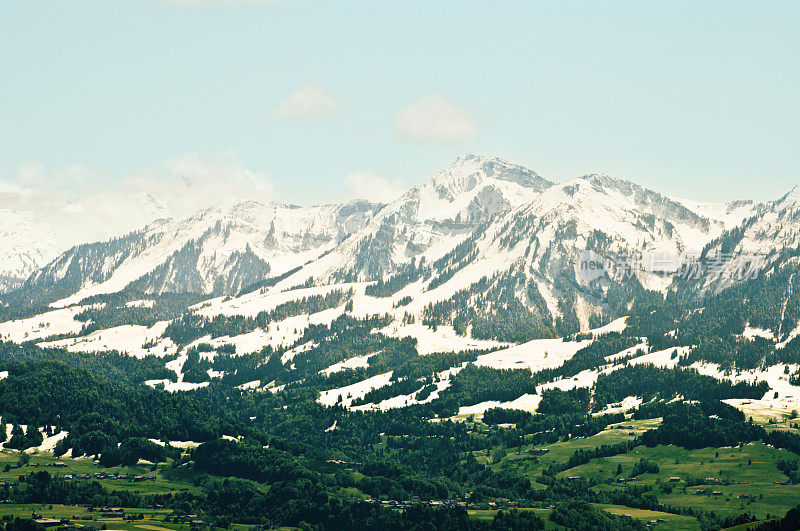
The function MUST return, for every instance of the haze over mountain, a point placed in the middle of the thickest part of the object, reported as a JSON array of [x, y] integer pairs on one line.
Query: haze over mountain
[[46, 211]]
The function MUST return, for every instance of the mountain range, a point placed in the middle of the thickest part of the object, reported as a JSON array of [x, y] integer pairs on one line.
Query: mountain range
[[480, 217], [488, 340]]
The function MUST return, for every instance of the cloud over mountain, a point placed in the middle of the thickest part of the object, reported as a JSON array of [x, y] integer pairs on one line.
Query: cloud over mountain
[[434, 118]]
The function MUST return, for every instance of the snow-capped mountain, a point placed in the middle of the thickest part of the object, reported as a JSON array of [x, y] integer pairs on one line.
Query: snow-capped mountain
[[471, 190], [622, 222], [481, 236], [429, 220], [24, 247], [218, 250], [35, 227], [772, 230], [484, 221], [537, 246]]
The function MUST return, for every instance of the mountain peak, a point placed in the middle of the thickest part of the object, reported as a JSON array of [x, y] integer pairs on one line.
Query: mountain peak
[[790, 200], [604, 179], [471, 170]]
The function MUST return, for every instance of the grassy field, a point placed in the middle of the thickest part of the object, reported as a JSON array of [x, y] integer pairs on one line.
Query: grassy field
[[45, 461], [754, 483], [747, 479], [559, 452], [670, 521], [153, 518], [750, 469]]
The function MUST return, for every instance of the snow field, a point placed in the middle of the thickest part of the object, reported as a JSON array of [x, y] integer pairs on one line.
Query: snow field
[[61, 321], [535, 355], [354, 391], [129, 339], [442, 383], [526, 402], [356, 362], [788, 398], [444, 339], [627, 403]]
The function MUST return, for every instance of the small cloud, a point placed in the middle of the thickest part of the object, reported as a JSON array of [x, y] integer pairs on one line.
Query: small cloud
[[434, 118], [308, 103], [367, 184], [223, 2]]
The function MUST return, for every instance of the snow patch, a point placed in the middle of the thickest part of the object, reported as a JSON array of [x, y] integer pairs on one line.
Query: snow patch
[[44, 325], [535, 355], [356, 362], [526, 402], [354, 391], [627, 403], [444, 339], [135, 340], [753, 332], [442, 383]]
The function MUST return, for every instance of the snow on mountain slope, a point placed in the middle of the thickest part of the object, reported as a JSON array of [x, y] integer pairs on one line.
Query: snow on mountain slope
[[630, 215], [223, 249], [134, 340], [471, 189], [538, 243], [38, 223], [531, 235], [481, 244], [443, 339], [485, 255], [218, 250], [731, 214], [526, 402], [55, 322], [442, 382], [25, 245], [250, 304], [587, 378], [782, 396], [535, 355], [544, 239], [756, 243], [346, 395], [429, 220], [541, 354], [356, 362]]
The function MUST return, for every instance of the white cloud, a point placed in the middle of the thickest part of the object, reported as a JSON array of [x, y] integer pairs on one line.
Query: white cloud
[[76, 204], [433, 118], [367, 184], [190, 183], [223, 2], [308, 103]]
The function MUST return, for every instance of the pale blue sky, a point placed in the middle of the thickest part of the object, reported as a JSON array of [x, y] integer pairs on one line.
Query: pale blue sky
[[693, 98]]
